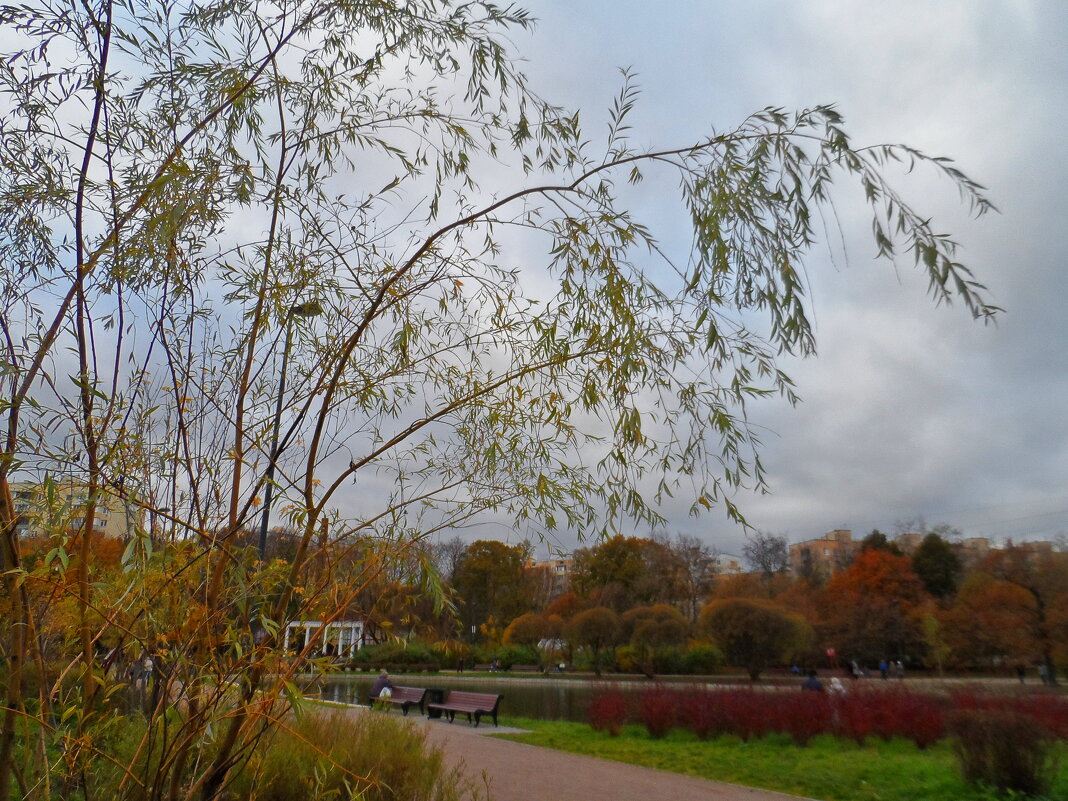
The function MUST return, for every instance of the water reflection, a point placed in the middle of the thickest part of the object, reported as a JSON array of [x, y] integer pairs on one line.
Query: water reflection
[[543, 697]]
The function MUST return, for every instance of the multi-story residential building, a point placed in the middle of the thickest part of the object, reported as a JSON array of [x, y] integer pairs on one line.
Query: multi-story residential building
[[973, 550], [909, 542], [555, 574], [45, 508], [728, 564], [824, 555]]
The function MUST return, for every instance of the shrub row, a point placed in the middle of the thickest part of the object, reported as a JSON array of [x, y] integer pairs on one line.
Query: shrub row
[[392, 667], [395, 657], [697, 658], [857, 715]]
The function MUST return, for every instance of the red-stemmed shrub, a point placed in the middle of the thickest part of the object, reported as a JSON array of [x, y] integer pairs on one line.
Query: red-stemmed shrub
[[746, 713], [921, 718], [658, 710], [1051, 711], [803, 715], [702, 713], [855, 719], [1048, 710], [608, 710], [1004, 748], [865, 711]]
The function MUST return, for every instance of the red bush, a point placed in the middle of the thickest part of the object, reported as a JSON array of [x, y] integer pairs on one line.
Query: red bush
[[608, 710], [859, 714], [1048, 711], [921, 718], [888, 714], [1004, 748], [855, 719], [747, 713], [803, 716], [658, 710], [702, 713], [1051, 712]]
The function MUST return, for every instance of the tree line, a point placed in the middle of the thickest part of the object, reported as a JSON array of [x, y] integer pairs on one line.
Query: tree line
[[929, 609]]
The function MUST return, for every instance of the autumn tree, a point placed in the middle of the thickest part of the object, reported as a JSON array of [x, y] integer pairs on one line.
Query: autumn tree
[[447, 556], [695, 572], [490, 584], [535, 630], [566, 606], [258, 260], [1043, 575], [992, 621], [650, 629], [878, 541], [621, 572], [768, 554], [596, 629], [610, 571], [937, 565], [871, 610], [754, 634]]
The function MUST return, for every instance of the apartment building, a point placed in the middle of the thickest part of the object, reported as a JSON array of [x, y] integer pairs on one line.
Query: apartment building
[[555, 575], [43, 508], [728, 564], [823, 556]]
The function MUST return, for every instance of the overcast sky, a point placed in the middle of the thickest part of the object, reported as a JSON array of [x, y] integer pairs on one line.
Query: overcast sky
[[910, 410]]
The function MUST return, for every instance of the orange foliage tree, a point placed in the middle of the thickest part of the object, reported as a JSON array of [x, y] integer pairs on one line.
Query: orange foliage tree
[[991, 620], [1044, 576], [871, 610]]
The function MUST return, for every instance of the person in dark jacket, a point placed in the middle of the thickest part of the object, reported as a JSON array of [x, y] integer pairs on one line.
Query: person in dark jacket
[[383, 682], [812, 683]]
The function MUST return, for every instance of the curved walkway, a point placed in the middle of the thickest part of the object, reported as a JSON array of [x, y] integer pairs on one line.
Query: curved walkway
[[520, 772]]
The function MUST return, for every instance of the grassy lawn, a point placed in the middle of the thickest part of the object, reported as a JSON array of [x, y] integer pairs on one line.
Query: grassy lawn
[[828, 768]]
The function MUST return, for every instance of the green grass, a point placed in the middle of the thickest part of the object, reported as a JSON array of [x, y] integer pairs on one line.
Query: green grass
[[828, 768]]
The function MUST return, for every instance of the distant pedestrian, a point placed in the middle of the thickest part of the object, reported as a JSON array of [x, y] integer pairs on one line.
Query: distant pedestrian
[[899, 669], [812, 683], [884, 669]]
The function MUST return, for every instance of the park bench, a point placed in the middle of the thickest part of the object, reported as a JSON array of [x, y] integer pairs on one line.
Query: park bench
[[483, 667], [525, 669], [406, 697], [477, 704]]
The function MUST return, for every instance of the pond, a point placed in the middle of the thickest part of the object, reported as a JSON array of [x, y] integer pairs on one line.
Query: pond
[[542, 697]]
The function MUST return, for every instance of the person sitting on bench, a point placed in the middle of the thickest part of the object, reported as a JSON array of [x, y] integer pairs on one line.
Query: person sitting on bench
[[382, 684]]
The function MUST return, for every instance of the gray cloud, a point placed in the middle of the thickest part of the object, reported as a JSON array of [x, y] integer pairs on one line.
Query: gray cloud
[[909, 410]]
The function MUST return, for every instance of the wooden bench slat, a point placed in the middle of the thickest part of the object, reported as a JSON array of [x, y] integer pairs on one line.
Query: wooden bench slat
[[406, 697], [469, 703]]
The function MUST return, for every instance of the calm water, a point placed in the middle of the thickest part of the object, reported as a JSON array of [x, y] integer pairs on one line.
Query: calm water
[[537, 697]]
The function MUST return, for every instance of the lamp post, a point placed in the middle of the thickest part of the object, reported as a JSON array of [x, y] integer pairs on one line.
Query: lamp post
[[306, 309]]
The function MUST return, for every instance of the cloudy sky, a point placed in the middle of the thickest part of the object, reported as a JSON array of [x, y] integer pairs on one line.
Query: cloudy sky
[[910, 410]]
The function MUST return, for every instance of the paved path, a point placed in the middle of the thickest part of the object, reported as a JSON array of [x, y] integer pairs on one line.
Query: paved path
[[520, 772]]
